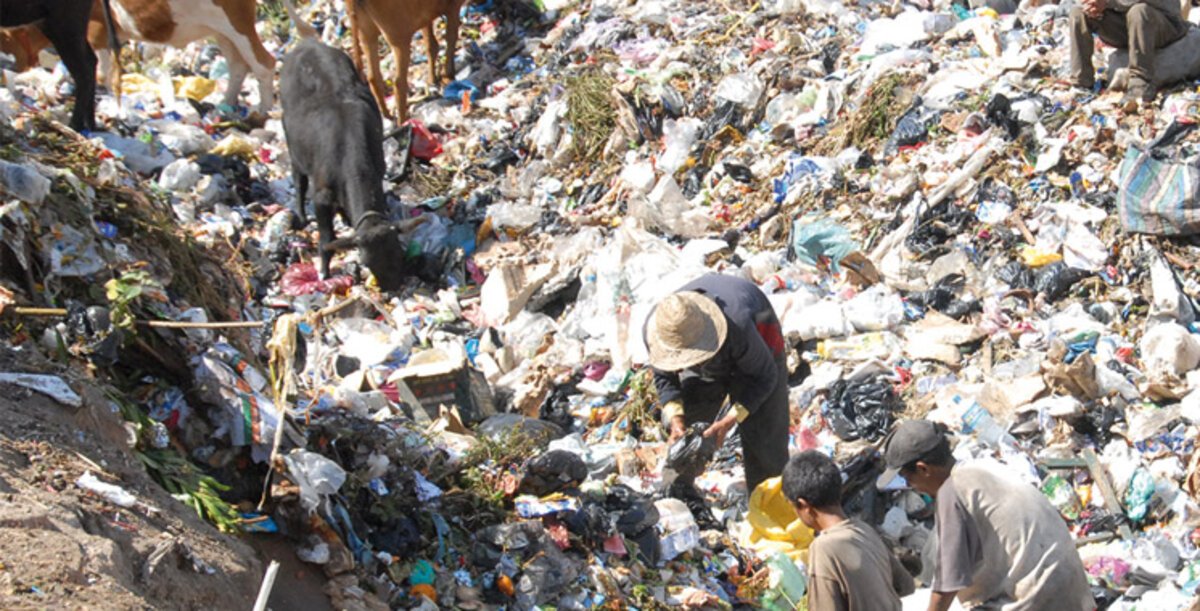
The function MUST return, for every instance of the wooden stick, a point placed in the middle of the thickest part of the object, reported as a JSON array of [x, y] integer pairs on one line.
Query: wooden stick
[[1025, 233], [1177, 262], [183, 324], [1100, 477]]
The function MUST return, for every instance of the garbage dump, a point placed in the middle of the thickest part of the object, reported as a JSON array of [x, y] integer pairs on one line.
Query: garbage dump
[[946, 229]]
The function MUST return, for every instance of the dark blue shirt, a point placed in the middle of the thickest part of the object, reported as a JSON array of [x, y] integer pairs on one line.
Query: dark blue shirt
[[745, 364]]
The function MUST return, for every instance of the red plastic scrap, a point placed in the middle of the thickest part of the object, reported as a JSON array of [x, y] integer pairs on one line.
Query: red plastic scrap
[[761, 45], [302, 279], [425, 145]]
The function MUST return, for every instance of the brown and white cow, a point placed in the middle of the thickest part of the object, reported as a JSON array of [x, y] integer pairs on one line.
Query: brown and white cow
[[177, 23]]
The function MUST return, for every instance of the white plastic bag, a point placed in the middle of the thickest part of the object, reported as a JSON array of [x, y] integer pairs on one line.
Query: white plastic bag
[[1169, 348], [316, 476], [180, 175], [678, 137], [823, 320], [875, 309]]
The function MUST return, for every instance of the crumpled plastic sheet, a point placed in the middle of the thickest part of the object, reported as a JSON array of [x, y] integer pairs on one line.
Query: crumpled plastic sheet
[[225, 379], [303, 279], [316, 475], [814, 239]]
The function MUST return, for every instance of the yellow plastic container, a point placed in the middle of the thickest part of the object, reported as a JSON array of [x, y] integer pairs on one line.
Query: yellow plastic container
[[774, 525]]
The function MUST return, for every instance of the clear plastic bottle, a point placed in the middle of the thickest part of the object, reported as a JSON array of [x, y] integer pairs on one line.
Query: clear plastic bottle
[[976, 420]]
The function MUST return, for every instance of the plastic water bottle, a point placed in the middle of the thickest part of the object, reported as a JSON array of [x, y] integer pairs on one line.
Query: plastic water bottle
[[976, 420], [787, 585]]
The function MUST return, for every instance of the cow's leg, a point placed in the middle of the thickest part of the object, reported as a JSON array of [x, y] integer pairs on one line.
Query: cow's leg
[[401, 42], [354, 15], [242, 48], [323, 206], [68, 34], [369, 39], [104, 65], [452, 24], [301, 191], [431, 46], [238, 69]]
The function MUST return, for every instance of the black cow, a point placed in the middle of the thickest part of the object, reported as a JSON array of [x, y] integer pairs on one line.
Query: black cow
[[335, 140], [65, 24]]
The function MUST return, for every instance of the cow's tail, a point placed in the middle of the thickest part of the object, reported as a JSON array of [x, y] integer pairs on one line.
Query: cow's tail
[[114, 47], [303, 28]]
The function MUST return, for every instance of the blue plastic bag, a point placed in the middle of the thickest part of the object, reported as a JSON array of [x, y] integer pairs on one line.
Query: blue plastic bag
[[814, 238]]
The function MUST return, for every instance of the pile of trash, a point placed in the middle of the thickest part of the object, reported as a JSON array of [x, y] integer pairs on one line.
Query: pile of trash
[[945, 229]]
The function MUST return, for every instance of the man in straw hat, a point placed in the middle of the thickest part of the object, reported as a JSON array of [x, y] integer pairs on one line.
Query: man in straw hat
[[718, 337]]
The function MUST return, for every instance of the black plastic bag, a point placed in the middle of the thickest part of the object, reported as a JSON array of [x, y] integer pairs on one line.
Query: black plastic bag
[[1055, 280], [1104, 596], [910, 129], [92, 328], [1016, 275], [1097, 421], [943, 297], [696, 503], [829, 56], [694, 180], [999, 112], [553, 471], [937, 226], [739, 172], [993, 190], [861, 410], [636, 512], [689, 455], [500, 157], [592, 523], [726, 113], [557, 406]]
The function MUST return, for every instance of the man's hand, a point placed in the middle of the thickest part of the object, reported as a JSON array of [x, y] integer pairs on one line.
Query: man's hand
[[720, 428], [1094, 8], [678, 428]]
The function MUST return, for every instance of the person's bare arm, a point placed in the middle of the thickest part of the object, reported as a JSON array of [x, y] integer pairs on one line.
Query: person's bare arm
[[941, 601]]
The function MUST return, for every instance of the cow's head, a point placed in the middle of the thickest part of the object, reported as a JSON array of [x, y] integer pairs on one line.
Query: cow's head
[[382, 249]]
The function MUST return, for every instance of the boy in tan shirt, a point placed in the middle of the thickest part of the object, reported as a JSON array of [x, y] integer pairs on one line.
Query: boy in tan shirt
[[849, 566]]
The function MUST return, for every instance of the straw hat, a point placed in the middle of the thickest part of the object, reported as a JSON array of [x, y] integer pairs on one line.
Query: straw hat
[[686, 329]]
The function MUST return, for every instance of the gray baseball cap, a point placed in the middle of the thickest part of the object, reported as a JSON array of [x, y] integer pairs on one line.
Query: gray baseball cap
[[907, 443]]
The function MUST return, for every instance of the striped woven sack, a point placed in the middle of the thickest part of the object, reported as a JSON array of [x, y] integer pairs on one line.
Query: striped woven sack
[[1158, 197]]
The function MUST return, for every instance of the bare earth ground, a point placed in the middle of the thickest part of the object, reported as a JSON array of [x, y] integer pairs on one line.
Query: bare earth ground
[[63, 548]]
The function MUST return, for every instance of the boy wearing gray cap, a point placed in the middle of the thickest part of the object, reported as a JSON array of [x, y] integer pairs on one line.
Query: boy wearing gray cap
[[1001, 544]]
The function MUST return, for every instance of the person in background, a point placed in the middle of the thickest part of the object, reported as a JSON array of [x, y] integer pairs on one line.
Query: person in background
[[1141, 26], [717, 338], [1001, 544], [850, 568]]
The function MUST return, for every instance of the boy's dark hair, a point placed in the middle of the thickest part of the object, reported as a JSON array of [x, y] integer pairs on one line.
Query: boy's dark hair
[[814, 477]]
